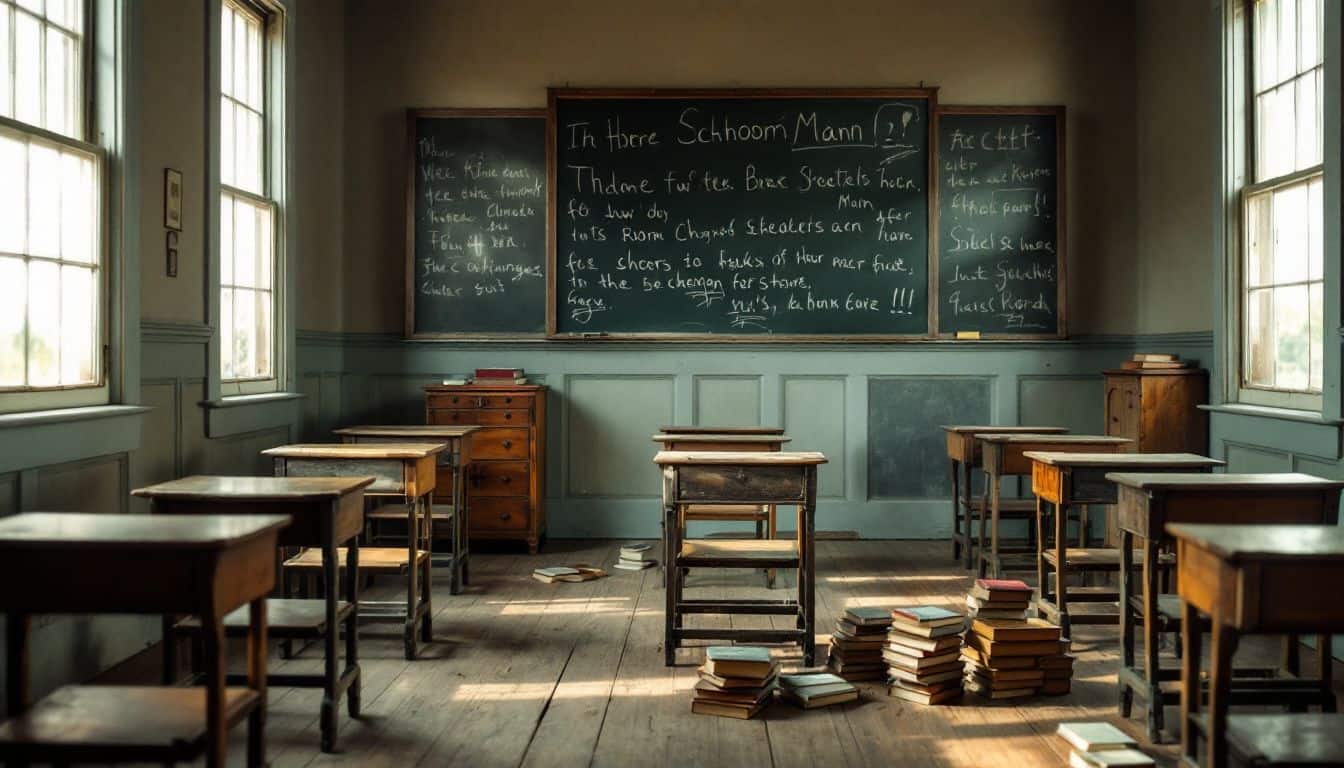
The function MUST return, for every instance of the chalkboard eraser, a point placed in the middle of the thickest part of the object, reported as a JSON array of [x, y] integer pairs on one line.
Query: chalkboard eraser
[[968, 335], [594, 335]]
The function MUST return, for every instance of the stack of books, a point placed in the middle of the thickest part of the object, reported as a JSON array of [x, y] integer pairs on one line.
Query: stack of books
[[574, 573], [820, 689], [856, 644], [735, 681], [500, 376], [1100, 745], [636, 557], [921, 654], [1003, 657], [1152, 361], [998, 599]]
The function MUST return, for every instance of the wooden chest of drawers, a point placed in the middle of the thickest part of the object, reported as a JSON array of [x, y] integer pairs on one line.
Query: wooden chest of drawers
[[1159, 409], [506, 481]]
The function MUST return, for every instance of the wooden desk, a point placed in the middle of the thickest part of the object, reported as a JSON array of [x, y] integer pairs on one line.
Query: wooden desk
[[327, 512], [1003, 454], [450, 484], [685, 429], [1147, 503], [1250, 579], [92, 563], [963, 454], [1062, 480], [738, 477], [404, 471]]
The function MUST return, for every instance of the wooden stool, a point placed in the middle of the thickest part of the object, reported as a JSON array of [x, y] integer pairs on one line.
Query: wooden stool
[[449, 504], [136, 564], [326, 513], [1147, 504], [963, 454], [722, 478], [1249, 579], [404, 472]]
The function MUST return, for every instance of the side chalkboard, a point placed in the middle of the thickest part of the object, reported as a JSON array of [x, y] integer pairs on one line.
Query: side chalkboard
[[1000, 222], [476, 233], [741, 213]]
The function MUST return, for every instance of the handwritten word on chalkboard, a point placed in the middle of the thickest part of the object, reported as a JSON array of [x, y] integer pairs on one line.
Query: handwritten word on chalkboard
[[476, 235], [1000, 221], [741, 213]]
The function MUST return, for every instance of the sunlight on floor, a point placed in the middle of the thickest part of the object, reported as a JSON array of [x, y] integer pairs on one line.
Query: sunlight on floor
[[638, 687]]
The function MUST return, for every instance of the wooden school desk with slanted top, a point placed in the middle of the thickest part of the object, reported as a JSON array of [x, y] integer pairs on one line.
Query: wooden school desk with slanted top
[[963, 453], [1249, 579], [1062, 480], [449, 503], [135, 564], [722, 478], [403, 472], [1147, 503], [1004, 455], [327, 513]]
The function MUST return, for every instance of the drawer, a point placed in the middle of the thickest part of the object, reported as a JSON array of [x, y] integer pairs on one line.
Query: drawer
[[499, 478], [758, 484], [453, 416], [504, 401], [494, 514], [502, 443], [478, 400], [506, 416]]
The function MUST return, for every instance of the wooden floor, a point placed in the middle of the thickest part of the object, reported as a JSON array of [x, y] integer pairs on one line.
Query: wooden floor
[[529, 674]]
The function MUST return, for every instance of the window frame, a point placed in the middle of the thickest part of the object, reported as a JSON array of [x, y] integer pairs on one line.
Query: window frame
[[28, 398], [1241, 159]]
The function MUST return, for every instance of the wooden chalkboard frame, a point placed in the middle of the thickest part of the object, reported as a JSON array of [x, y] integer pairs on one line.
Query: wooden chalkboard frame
[[1061, 189], [452, 112], [553, 95]]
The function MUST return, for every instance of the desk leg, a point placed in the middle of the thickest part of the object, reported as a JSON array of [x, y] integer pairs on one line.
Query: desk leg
[[213, 661], [771, 530], [1192, 642], [17, 687], [426, 572], [330, 702], [1223, 645], [1325, 658], [807, 524], [956, 510], [1062, 567], [169, 648], [671, 581], [256, 680], [1126, 622], [995, 490], [1151, 667], [352, 625], [461, 534], [412, 579], [1040, 552], [967, 547], [984, 523]]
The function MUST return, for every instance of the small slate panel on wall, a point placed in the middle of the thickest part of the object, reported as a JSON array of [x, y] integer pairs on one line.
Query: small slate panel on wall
[[907, 450]]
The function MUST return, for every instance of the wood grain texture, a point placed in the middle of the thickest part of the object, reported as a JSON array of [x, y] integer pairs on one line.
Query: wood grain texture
[[1122, 460], [1225, 481], [407, 430], [118, 533], [209, 487], [355, 450], [710, 458]]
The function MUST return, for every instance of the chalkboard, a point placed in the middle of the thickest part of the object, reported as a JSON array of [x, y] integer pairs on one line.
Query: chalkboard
[[1000, 214], [907, 449], [736, 213], [476, 223]]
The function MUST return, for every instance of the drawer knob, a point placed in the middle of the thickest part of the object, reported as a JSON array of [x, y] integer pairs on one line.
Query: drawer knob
[[508, 400], [507, 443], [504, 515], [455, 399], [508, 416], [480, 402], [506, 479], [741, 476]]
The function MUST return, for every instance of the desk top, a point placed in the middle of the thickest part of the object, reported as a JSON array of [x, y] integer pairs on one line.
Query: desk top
[[683, 429], [210, 488], [407, 430], [76, 530], [720, 437], [786, 458], [356, 450], [1236, 543], [1136, 460], [1052, 439], [1003, 429], [1195, 481]]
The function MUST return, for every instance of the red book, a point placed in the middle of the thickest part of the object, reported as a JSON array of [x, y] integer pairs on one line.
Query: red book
[[498, 373], [1003, 585]]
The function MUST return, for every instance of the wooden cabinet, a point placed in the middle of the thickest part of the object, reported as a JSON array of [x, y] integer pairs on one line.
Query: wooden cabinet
[[506, 480], [1159, 409]]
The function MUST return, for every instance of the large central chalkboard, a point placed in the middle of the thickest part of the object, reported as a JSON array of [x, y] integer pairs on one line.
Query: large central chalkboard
[[1000, 253], [476, 223], [751, 213]]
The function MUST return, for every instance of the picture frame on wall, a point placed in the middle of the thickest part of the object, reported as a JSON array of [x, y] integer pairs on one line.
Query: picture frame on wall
[[172, 199]]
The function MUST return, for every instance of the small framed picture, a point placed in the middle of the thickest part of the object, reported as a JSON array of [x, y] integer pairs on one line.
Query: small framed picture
[[172, 199]]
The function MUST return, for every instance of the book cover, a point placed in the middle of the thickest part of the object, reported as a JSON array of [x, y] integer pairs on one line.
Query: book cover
[[720, 709], [733, 683], [1110, 759], [868, 616], [927, 615], [1094, 736], [738, 661], [1015, 630], [923, 643]]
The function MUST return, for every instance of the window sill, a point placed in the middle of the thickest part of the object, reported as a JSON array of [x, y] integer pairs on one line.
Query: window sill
[[1285, 430], [241, 414], [1271, 412], [38, 438]]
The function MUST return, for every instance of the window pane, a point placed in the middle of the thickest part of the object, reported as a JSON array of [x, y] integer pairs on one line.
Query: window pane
[[1293, 331], [1317, 336], [44, 324], [36, 6], [247, 173], [226, 240], [1260, 348], [1274, 134], [226, 51], [1308, 140], [265, 262], [226, 323], [1310, 51], [13, 195], [44, 201], [27, 69], [1287, 39], [1315, 224], [6, 74], [239, 56], [13, 315], [262, 335], [244, 334], [67, 13], [1290, 234], [62, 98], [226, 143], [1259, 240], [1266, 48], [244, 245], [78, 298], [78, 214]]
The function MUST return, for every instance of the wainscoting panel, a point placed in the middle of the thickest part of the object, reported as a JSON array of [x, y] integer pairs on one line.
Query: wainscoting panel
[[1076, 402], [1246, 458], [907, 449], [93, 485], [726, 401], [813, 413], [608, 422]]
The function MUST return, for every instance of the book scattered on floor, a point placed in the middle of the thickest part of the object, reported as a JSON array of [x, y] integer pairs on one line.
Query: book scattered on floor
[[922, 654], [855, 652], [1094, 736], [636, 556], [571, 573], [810, 691], [735, 681], [1008, 658], [1109, 759], [868, 617]]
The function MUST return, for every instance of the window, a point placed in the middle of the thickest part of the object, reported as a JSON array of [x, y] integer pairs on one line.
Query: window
[[248, 229], [52, 296], [1281, 271]]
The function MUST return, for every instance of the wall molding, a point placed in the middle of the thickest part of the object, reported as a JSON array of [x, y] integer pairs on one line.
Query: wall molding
[[166, 332]]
